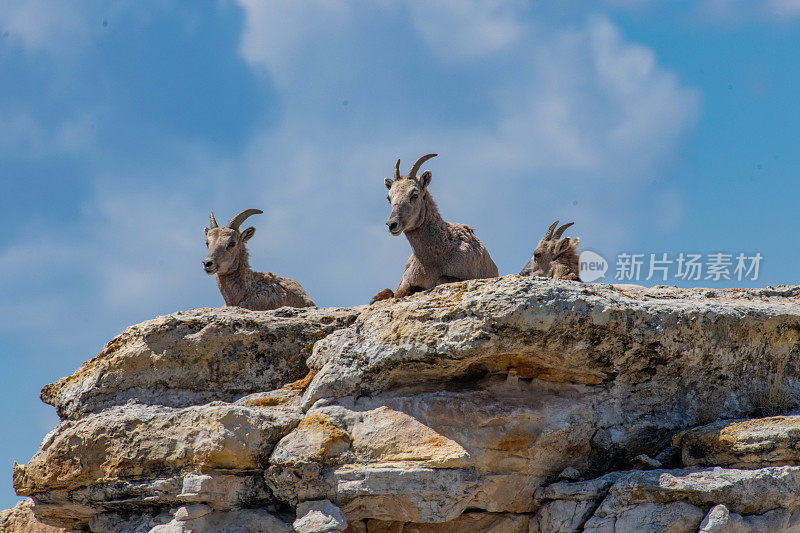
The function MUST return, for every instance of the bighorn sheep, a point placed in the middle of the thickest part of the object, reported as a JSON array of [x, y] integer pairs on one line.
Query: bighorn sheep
[[228, 260], [555, 257], [443, 252]]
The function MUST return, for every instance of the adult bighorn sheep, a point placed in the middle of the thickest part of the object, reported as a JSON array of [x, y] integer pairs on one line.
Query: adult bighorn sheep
[[228, 260], [443, 252], [555, 257]]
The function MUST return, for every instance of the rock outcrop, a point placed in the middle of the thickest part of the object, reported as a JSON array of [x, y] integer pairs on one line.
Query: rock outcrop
[[506, 405]]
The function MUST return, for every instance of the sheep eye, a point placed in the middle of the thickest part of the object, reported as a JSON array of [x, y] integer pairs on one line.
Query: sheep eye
[[231, 244], [414, 196]]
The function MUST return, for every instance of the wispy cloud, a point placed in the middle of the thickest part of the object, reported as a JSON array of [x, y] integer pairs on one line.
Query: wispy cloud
[[24, 136], [278, 34], [469, 29], [782, 9], [568, 113], [566, 108], [49, 26]]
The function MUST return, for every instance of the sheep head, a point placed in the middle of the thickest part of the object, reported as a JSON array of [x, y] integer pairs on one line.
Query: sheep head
[[226, 245], [555, 257], [406, 196]]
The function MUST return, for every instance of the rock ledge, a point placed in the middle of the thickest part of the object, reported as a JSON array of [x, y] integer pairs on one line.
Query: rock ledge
[[506, 405]]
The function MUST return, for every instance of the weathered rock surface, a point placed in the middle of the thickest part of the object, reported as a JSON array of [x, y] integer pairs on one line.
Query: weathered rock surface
[[668, 500], [195, 357], [147, 441], [319, 516], [742, 443], [458, 409], [21, 518]]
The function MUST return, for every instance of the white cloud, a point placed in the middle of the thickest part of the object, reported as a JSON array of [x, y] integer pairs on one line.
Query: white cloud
[[51, 26], [571, 111], [579, 123], [277, 33], [782, 10], [22, 135], [595, 105], [468, 29], [574, 98], [574, 124]]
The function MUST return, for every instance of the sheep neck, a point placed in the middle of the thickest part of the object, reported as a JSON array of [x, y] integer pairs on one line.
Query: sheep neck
[[233, 285], [429, 239]]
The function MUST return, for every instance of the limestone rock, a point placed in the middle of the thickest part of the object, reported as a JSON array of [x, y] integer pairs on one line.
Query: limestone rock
[[566, 506], [190, 512], [742, 491], [467, 522], [720, 520], [717, 520], [136, 441], [742, 443], [154, 455], [237, 520], [195, 357], [319, 516], [673, 500], [564, 332], [453, 410], [420, 443], [676, 517], [21, 518]]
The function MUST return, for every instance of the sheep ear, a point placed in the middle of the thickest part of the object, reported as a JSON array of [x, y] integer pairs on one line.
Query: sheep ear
[[562, 246], [425, 179], [388, 182], [249, 232]]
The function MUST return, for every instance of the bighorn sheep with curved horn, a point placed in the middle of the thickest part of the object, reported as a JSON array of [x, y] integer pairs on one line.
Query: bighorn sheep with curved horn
[[555, 257], [228, 260], [443, 252]]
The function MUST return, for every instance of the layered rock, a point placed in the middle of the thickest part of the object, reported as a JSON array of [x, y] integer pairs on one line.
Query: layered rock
[[21, 518], [195, 357], [457, 409], [742, 443]]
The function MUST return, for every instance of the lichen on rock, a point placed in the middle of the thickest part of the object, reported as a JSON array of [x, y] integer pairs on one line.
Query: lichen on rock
[[505, 405]]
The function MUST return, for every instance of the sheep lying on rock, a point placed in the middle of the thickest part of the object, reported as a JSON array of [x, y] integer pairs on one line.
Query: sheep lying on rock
[[555, 257], [228, 260], [443, 252]]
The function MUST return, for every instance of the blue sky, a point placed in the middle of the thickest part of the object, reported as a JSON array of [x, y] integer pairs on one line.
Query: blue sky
[[658, 127]]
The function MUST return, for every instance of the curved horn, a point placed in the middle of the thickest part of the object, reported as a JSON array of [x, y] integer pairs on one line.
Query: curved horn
[[238, 219], [419, 163], [549, 234], [560, 231], [213, 221], [397, 170]]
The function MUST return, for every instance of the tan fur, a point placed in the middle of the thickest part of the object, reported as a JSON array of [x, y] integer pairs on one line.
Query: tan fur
[[228, 261], [443, 252], [555, 257]]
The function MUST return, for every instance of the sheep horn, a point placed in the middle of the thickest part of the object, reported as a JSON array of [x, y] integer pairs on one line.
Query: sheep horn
[[397, 170], [238, 219], [213, 221], [419, 163], [549, 234], [560, 231]]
